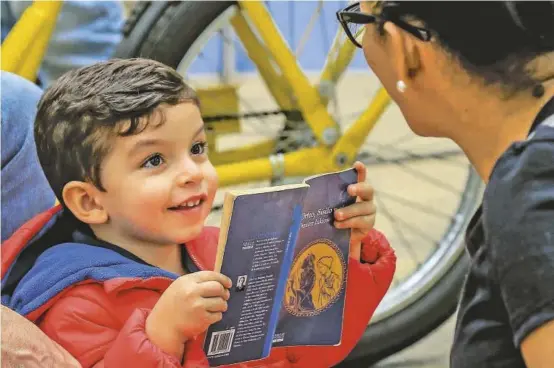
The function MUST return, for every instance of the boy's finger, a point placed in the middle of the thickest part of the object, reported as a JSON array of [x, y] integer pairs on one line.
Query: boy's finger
[[209, 289], [362, 171], [362, 190], [204, 276], [214, 317], [359, 222], [215, 305], [356, 209]]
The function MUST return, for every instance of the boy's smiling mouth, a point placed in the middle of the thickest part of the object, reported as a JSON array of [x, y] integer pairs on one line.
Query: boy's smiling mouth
[[190, 203]]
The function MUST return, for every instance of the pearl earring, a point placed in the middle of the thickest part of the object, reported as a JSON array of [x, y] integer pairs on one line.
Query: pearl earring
[[401, 86]]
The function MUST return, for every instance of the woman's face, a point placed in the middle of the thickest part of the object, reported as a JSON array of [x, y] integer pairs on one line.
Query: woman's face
[[375, 50], [385, 55]]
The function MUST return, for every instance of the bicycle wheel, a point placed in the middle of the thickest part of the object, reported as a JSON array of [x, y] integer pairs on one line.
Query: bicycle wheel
[[426, 190]]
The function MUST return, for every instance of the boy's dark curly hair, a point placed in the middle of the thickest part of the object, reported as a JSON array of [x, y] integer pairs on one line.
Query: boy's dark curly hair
[[85, 109]]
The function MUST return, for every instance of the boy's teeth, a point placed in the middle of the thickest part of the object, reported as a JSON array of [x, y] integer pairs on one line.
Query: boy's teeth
[[188, 204]]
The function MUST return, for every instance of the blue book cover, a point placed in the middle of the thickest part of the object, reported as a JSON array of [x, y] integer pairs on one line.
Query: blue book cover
[[288, 264], [255, 240], [313, 306]]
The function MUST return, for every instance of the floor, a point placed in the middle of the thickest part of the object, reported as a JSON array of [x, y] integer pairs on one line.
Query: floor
[[430, 352]]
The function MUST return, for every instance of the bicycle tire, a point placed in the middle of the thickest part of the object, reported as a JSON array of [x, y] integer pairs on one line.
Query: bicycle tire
[[165, 41], [394, 334]]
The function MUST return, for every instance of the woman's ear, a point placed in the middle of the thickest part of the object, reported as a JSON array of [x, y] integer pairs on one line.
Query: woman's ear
[[83, 200], [404, 48]]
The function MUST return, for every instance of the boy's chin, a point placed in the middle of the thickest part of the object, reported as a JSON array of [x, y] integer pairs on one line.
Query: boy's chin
[[191, 233]]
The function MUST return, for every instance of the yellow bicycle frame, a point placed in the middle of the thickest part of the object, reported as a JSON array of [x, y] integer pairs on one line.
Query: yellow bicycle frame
[[25, 46], [330, 154]]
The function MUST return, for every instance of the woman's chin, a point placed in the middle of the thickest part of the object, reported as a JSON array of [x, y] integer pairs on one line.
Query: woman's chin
[[423, 129]]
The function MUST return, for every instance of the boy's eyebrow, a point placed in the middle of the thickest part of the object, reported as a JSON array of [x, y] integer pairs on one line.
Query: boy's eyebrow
[[155, 141], [200, 130], [145, 143]]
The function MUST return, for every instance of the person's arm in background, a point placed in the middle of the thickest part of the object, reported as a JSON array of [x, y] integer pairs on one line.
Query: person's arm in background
[[25, 345], [86, 32], [25, 193], [25, 190]]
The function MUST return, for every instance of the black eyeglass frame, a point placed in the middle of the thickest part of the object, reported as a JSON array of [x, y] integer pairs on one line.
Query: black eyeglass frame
[[348, 15]]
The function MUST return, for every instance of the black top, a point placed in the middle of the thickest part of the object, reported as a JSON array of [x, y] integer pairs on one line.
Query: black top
[[509, 290]]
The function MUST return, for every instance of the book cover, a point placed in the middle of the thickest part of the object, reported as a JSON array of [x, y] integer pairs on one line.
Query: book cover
[[312, 310], [260, 234], [288, 264]]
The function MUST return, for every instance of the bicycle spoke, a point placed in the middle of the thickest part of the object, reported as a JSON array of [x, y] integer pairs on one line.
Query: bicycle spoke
[[403, 139], [292, 25], [259, 120], [373, 159], [205, 58], [397, 229], [413, 228], [417, 231], [439, 183], [334, 99], [393, 146], [326, 43], [309, 28], [414, 205]]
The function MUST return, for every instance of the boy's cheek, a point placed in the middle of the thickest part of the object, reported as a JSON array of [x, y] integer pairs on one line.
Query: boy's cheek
[[212, 179], [211, 182]]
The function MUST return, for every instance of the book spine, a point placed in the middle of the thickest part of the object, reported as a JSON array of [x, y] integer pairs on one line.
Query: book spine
[[283, 276]]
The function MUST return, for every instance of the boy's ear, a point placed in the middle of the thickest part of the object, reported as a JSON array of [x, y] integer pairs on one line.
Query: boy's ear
[[82, 199]]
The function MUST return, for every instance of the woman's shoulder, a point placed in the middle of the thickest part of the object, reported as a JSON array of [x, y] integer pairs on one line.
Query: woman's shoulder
[[522, 180], [526, 160], [531, 156]]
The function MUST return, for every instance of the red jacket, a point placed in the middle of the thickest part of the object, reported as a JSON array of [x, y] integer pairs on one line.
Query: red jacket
[[99, 316]]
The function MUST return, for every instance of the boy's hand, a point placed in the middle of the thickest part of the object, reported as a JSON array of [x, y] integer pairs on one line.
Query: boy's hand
[[186, 309], [360, 216]]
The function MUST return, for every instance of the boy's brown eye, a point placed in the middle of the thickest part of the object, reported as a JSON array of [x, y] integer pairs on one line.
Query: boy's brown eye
[[153, 161], [199, 148]]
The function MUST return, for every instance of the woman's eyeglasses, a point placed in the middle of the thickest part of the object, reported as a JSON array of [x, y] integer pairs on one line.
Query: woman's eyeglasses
[[352, 20]]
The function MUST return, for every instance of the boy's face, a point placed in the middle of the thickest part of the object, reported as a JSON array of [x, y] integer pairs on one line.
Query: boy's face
[[160, 184]]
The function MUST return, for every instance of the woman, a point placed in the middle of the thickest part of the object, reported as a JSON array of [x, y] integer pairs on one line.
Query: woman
[[482, 74]]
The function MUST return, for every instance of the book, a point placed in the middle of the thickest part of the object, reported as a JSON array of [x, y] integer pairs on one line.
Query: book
[[288, 263]]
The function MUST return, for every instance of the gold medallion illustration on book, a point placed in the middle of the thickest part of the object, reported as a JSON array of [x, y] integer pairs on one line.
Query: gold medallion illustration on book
[[315, 280]]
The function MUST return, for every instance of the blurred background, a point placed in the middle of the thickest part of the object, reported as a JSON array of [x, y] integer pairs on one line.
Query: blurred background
[[309, 27], [425, 190]]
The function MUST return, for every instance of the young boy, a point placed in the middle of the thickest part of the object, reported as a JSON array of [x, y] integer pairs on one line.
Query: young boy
[[120, 274]]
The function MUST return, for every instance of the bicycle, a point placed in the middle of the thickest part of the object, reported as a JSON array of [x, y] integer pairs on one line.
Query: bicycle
[[305, 138]]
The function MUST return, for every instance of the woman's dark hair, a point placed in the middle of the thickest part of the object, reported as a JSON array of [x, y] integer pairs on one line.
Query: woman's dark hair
[[495, 40]]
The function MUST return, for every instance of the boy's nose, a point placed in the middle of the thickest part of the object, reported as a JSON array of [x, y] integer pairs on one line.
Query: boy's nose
[[190, 172]]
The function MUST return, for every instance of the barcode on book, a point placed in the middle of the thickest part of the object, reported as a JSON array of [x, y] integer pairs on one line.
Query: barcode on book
[[221, 342]]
